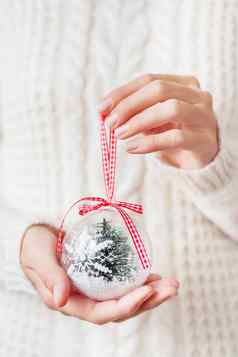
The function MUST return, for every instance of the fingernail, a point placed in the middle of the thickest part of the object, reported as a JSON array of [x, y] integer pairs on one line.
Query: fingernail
[[173, 282], [167, 291], [105, 106], [132, 145], [58, 293], [111, 120], [173, 296], [120, 132], [168, 283]]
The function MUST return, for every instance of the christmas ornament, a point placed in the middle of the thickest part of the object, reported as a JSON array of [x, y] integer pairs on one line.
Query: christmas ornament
[[103, 253]]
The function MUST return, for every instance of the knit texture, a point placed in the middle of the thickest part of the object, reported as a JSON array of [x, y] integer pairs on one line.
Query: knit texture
[[57, 59]]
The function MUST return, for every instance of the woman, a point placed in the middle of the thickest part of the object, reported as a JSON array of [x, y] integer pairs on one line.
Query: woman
[[59, 59]]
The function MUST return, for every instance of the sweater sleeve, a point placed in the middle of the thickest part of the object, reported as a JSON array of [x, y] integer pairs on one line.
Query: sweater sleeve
[[214, 188], [12, 229]]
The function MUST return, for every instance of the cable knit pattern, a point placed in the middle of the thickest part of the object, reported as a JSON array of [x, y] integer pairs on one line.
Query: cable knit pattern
[[59, 58]]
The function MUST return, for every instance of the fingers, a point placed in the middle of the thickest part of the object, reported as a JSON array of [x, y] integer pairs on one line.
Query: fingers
[[153, 277], [172, 139], [153, 93], [186, 80], [79, 306], [114, 97], [172, 112], [55, 279], [165, 282], [107, 311], [165, 290], [122, 308], [110, 101], [53, 285], [130, 303], [44, 292]]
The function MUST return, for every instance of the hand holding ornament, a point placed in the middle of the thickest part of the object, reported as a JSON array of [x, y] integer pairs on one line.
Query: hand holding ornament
[[41, 266]]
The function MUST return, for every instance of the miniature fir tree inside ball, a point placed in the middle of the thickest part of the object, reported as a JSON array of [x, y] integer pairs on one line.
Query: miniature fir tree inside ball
[[100, 258]]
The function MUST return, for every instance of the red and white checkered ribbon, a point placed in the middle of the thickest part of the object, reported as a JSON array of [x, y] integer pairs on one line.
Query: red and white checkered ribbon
[[109, 169]]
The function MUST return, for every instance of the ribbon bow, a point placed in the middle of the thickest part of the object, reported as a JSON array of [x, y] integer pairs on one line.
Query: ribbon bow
[[109, 168]]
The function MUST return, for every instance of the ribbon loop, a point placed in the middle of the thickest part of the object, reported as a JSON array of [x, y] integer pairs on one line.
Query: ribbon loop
[[109, 168]]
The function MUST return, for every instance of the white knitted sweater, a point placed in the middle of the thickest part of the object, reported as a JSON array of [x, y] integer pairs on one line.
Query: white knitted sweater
[[57, 59]]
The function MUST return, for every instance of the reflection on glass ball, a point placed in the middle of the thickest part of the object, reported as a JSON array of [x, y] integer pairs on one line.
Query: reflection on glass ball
[[100, 258]]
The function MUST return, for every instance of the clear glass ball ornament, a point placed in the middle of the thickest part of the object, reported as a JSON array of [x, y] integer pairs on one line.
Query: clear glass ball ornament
[[99, 256]]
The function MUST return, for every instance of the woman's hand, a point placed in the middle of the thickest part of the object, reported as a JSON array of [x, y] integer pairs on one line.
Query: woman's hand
[[167, 114], [41, 266]]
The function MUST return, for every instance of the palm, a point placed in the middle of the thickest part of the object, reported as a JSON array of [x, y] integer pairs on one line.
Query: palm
[[42, 268], [124, 307]]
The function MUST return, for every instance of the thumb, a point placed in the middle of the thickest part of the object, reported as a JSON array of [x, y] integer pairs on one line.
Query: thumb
[[56, 280], [40, 256]]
